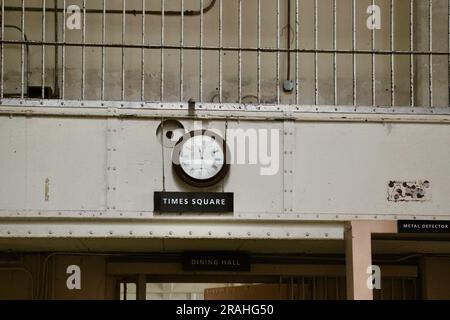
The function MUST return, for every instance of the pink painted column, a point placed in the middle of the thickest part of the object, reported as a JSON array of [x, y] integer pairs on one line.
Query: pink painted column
[[358, 253]]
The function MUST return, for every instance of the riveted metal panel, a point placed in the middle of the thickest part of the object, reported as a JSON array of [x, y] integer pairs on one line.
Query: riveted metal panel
[[255, 193], [57, 167], [60, 163], [13, 162], [139, 165], [345, 168], [71, 154]]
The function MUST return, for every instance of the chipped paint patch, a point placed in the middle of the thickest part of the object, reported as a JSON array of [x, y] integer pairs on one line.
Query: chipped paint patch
[[409, 191], [47, 190]]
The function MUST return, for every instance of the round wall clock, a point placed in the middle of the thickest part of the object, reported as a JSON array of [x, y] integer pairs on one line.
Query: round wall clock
[[200, 158]]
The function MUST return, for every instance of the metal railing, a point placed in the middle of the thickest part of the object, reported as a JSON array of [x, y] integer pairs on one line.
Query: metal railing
[[244, 56], [334, 288]]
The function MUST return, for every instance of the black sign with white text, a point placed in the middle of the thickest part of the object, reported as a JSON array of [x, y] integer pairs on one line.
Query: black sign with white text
[[216, 261], [194, 202], [417, 226]]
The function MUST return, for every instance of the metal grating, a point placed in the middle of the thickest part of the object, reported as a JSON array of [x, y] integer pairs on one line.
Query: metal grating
[[283, 52], [334, 288]]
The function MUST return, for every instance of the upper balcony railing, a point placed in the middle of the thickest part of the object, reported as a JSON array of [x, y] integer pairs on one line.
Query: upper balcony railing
[[384, 53]]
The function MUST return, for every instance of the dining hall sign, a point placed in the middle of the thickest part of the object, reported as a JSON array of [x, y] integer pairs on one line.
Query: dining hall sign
[[216, 261]]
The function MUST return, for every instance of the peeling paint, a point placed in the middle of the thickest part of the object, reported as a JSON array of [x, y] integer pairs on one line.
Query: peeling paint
[[47, 190], [388, 128], [409, 191]]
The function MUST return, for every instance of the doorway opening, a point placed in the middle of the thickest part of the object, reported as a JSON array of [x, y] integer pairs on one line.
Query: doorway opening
[[203, 287]]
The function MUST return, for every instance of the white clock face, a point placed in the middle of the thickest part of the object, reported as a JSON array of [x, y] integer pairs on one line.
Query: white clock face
[[202, 157]]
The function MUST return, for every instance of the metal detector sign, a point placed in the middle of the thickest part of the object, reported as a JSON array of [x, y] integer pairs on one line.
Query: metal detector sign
[[417, 226], [194, 202], [216, 261]]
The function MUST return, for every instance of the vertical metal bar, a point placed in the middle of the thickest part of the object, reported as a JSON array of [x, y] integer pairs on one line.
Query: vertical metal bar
[[287, 288], [83, 51], [240, 52], [220, 51], [22, 51], [63, 58], [411, 57], [141, 286], [392, 37], [297, 46], [43, 52], [316, 67], [303, 288], [354, 49], [314, 288], [258, 68], [336, 283], [280, 286], [162, 50], [200, 88], [403, 289], [2, 52], [182, 52], [56, 58], [278, 50], [103, 49], [162, 145], [430, 61], [392, 289], [123, 50], [373, 63], [292, 288], [143, 54], [334, 54]]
